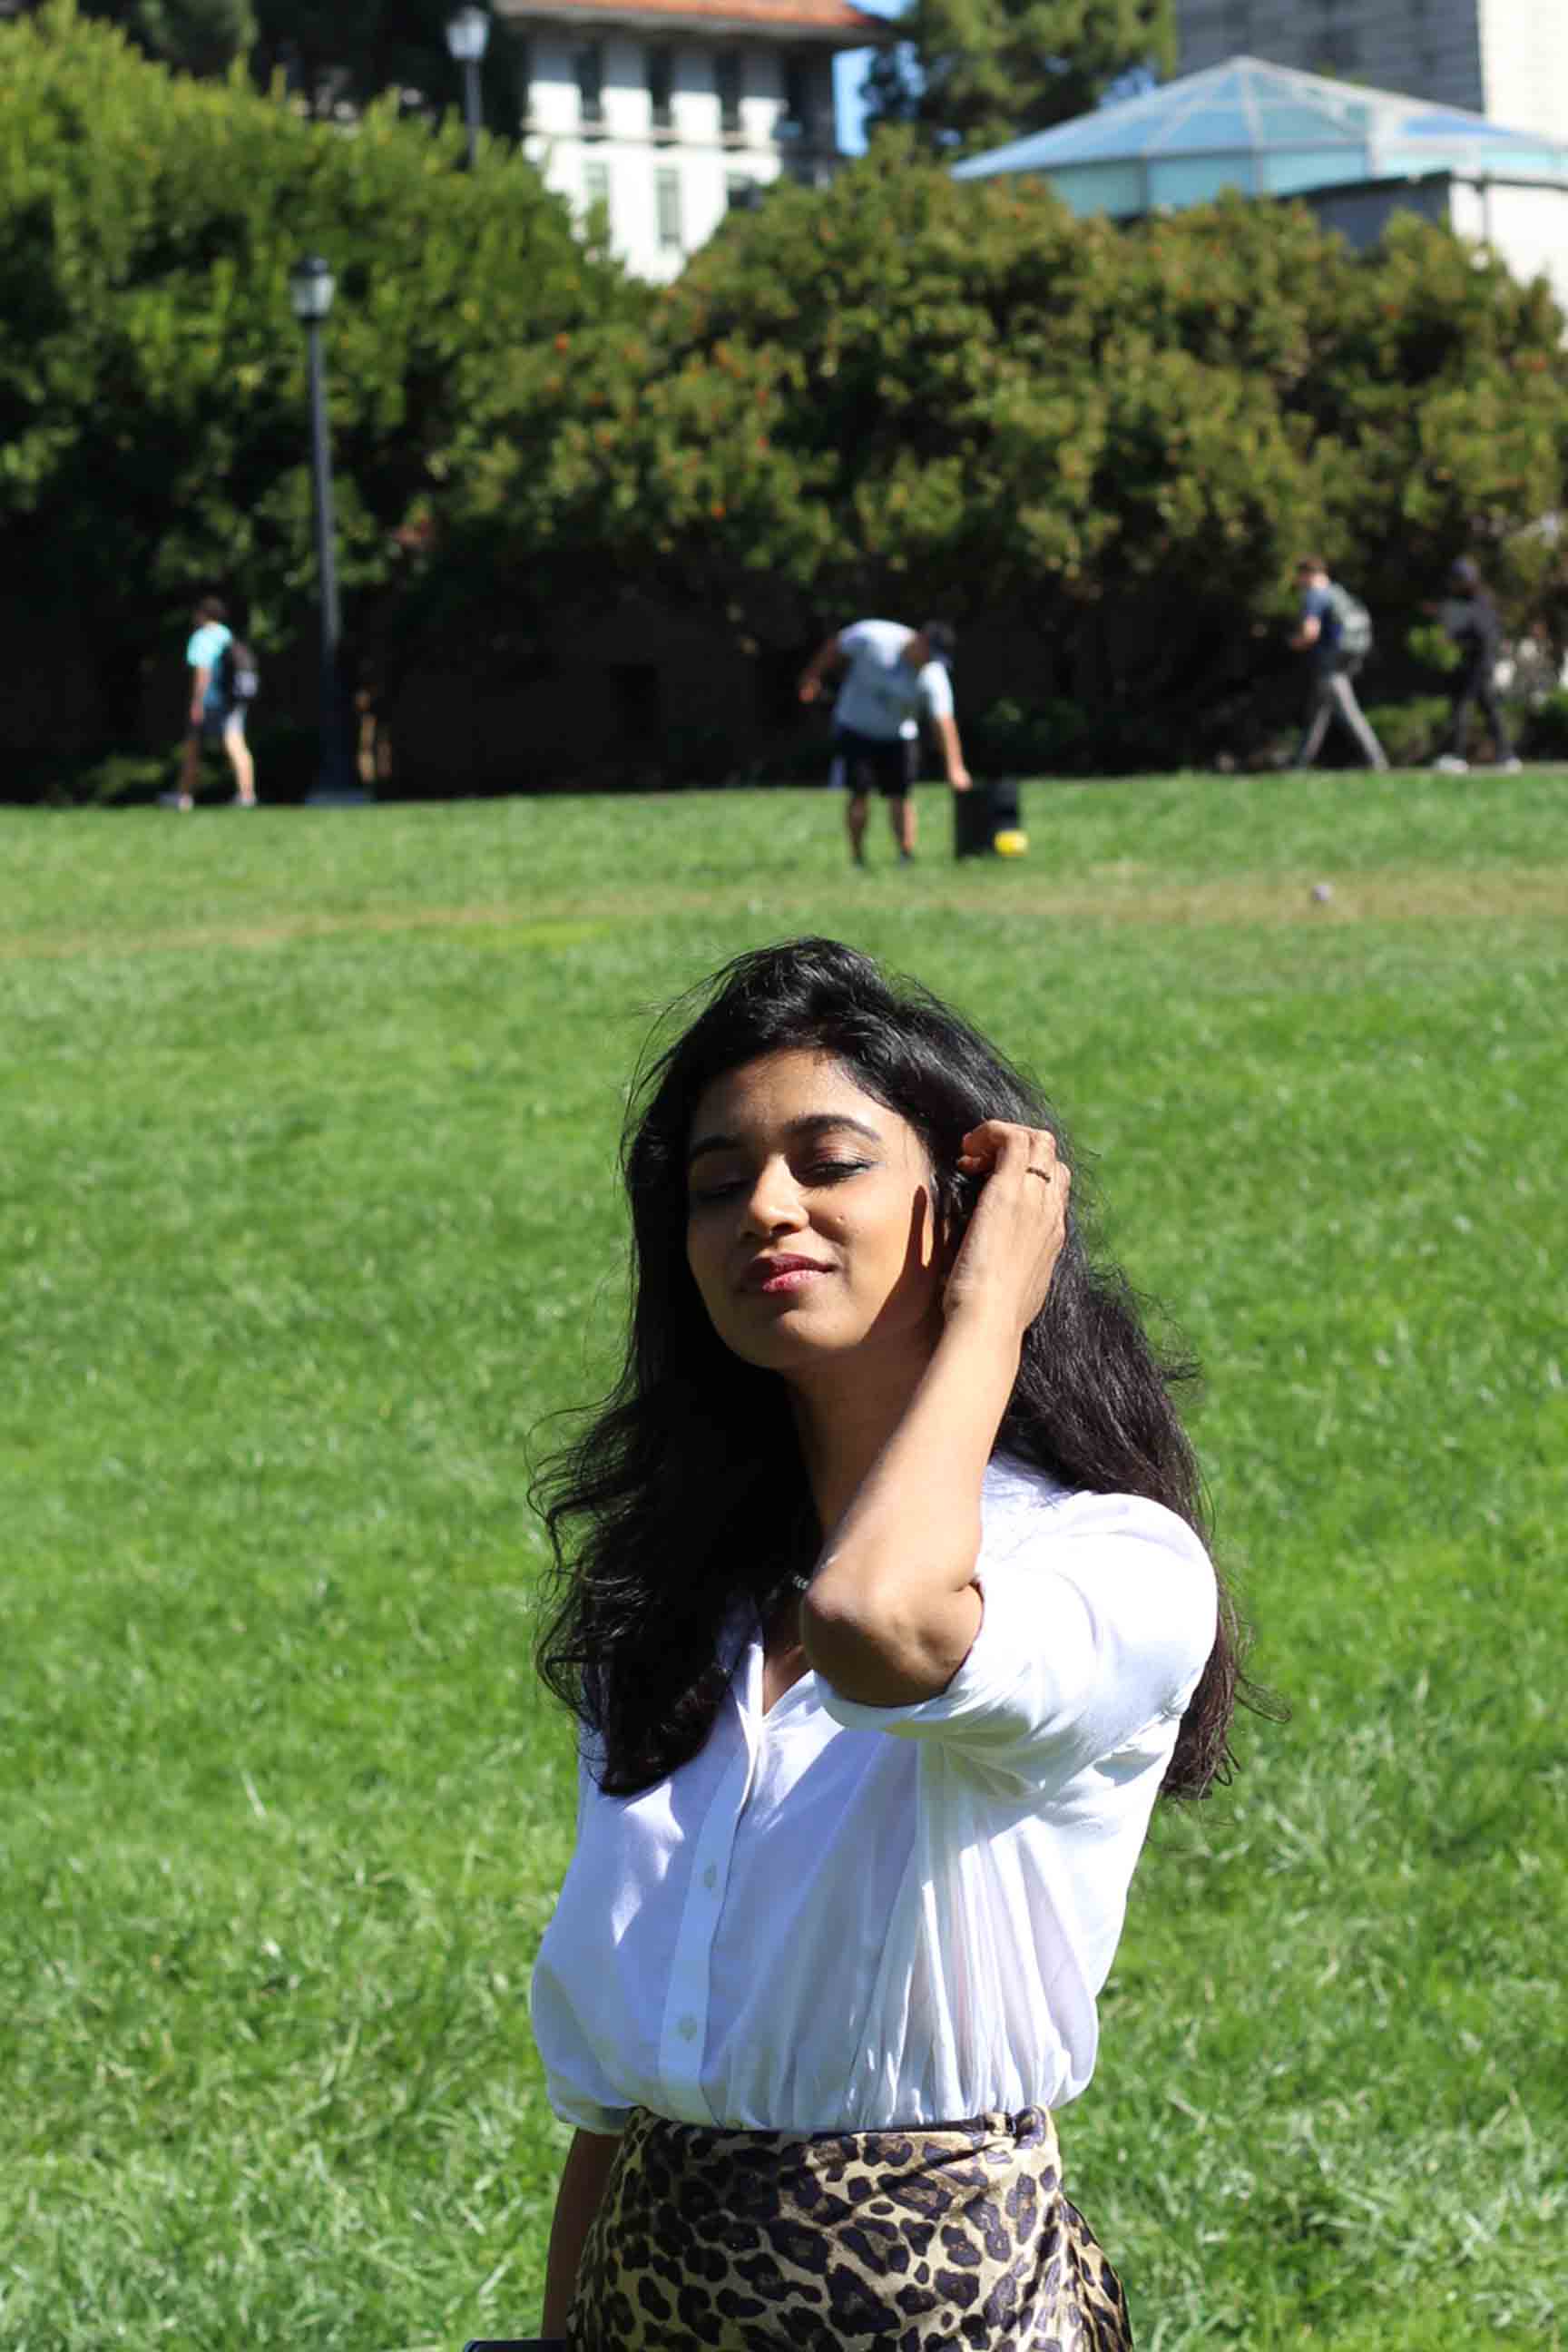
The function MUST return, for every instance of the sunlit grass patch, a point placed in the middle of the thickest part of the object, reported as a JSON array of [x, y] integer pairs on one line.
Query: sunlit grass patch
[[310, 1215]]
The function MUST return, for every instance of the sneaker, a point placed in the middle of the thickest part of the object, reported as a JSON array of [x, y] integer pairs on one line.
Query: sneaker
[[906, 858], [1450, 764], [175, 801], [239, 801], [1510, 767]]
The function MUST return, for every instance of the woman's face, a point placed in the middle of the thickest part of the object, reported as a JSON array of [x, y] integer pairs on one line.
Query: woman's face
[[811, 1230]]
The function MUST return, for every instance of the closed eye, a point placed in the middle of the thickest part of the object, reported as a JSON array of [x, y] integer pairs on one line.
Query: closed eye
[[819, 1173], [703, 1196]]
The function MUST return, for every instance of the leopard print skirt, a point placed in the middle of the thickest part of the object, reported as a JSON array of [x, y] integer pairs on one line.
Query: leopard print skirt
[[713, 2241]]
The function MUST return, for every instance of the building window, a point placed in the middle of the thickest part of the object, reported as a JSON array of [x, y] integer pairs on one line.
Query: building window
[[742, 192], [727, 81], [667, 210], [521, 50], [661, 88], [597, 189], [803, 119], [796, 95], [590, 68]]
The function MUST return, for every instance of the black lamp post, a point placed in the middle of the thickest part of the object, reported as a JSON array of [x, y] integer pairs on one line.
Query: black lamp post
[[311, 290], [467, 34]]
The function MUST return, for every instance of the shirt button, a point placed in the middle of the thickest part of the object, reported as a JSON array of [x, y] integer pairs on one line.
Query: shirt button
[[688, 2028], [711, 1875]]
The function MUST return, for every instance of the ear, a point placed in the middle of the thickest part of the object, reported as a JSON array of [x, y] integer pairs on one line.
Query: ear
[[954, 1195]]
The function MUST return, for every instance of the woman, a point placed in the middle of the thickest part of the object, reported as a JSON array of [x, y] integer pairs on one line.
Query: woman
[[887, 1619]]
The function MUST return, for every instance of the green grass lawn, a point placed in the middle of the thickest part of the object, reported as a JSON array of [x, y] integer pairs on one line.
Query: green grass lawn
[[310, 1217]]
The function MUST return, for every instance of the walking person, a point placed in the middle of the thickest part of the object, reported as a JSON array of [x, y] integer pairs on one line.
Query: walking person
[[1323, 632], [892, 674], [216, 712], [885, 1612], [1471, 618]]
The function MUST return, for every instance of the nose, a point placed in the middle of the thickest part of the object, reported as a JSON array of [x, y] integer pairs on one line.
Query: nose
[[773, 1203]]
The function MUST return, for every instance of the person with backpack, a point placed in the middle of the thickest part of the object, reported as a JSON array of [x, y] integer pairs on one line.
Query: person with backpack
[[1334, 630], [1471, 618], [222, 687]]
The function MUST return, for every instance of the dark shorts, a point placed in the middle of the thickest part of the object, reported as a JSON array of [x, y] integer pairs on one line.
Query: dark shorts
[[886, 761], [216, 724]]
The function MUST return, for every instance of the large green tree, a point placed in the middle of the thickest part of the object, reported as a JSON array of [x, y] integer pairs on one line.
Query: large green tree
[[909, 393], [900, 393], [971, 74], [153, 398], [906, 394]]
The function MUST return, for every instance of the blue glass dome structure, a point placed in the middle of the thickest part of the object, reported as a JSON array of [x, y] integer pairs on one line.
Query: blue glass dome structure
[[1265, 130]]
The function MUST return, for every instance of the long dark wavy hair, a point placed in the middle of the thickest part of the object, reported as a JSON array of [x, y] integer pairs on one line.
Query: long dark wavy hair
[[686, 1492]]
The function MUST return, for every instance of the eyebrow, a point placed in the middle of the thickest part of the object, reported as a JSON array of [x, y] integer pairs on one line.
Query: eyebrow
[[814, 1123]]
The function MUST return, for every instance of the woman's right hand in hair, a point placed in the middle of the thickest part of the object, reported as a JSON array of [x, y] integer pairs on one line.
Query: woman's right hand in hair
[[1004, 1264]]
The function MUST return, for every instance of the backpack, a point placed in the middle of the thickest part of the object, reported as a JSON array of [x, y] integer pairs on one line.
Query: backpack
[[237, 678], [1356, 624]]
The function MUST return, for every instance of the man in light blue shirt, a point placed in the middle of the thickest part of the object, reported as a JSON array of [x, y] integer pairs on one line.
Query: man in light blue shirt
[[892, 674], [216, 716]]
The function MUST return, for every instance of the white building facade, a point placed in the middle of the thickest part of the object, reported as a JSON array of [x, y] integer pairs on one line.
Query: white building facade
[[666, 113], [1507, 59]]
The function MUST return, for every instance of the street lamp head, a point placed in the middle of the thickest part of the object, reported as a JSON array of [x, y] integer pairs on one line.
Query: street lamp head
[[311, 290], [467, 34]]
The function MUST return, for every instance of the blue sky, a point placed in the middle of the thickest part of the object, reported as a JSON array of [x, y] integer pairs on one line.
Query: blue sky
[[848, 72]]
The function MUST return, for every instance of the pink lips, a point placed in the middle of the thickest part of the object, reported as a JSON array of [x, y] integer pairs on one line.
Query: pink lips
[[778, 1277]]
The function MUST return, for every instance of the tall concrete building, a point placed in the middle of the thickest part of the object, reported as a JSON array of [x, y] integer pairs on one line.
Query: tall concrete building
[[1507, 59]]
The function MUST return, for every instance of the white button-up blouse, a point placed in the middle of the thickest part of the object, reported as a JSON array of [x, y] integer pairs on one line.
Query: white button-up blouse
[[849, 1917]]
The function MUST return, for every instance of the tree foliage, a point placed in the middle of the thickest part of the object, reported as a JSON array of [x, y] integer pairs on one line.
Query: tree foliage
[[153, 418], [900, 393], [908, 394], [329, 54], [973, 74]]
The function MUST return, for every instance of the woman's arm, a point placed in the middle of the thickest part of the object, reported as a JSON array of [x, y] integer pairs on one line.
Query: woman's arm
[[893, 1608], [582, 2178]]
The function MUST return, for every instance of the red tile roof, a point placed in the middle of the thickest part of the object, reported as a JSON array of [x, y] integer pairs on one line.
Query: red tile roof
[[805, 16]]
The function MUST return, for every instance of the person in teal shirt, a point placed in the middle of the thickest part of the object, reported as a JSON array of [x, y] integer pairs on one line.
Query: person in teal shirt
[[215, 716]]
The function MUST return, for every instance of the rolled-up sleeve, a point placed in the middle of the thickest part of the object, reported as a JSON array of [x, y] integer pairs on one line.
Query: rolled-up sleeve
[[1100, 1615]]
